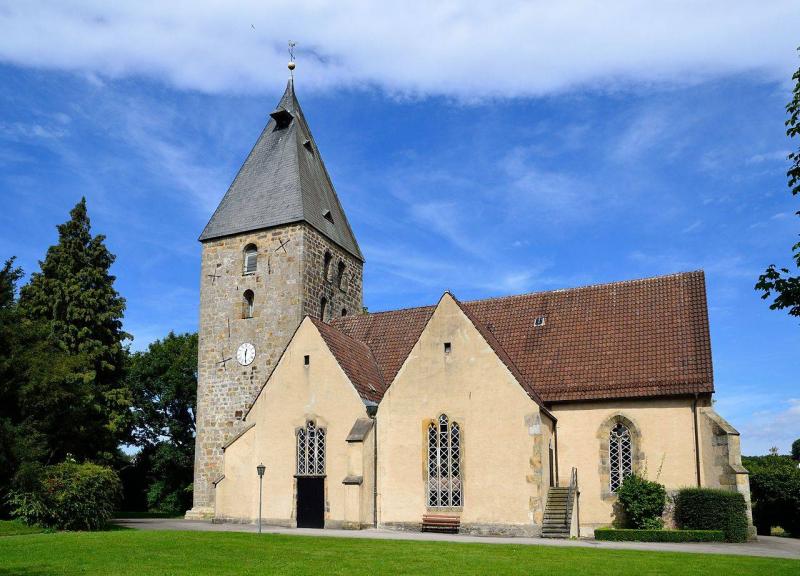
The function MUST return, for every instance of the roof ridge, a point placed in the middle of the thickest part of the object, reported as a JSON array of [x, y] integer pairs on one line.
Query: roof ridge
[[588, 286]]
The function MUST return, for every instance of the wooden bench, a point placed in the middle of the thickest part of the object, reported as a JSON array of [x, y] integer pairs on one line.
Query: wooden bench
[[440, 523]]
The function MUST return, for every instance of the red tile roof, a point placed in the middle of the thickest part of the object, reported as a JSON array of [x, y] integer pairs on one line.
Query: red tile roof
[[356, 360], [629, 339]]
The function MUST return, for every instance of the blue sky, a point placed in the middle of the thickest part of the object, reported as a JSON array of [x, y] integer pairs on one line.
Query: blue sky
[[479, 180]]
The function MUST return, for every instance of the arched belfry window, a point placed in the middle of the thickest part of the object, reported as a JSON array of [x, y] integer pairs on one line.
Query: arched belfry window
[[444, 464], [340, 274], [311, 450], [326, 266], [620, 455], [247, 304], [250, 259], [323, 308]]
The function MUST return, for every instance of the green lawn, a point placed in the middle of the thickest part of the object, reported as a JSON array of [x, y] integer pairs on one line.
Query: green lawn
[[15, 528], [219, 553]]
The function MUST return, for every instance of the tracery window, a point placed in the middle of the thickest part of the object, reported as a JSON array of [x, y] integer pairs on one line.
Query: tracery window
[[311, 450], [444, 464], [250, 259], [620, 456]]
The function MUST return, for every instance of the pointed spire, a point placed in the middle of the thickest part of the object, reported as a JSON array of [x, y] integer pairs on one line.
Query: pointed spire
[[283, 180]]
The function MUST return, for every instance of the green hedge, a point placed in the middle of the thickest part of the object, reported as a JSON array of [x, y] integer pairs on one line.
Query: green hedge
[[630, 535], [710, 509]]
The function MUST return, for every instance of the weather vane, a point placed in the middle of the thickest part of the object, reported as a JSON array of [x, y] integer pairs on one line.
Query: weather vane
[[291, 64]]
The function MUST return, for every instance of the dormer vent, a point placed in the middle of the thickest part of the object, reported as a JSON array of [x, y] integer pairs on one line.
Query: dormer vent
[[328, 216], [282, 117]]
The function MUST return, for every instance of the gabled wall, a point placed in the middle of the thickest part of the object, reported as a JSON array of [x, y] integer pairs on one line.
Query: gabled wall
[[505, 435], [294, 394]]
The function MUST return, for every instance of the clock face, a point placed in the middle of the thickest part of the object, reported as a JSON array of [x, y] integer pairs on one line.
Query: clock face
[[246, 354]]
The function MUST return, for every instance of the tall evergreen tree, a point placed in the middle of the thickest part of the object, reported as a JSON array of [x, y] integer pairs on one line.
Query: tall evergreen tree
[[9, 413], [73, 295]]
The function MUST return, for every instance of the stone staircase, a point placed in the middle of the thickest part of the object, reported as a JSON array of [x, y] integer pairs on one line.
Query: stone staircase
[[557, 513]]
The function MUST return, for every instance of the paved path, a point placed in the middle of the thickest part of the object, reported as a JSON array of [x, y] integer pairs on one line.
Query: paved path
[[765, 546]]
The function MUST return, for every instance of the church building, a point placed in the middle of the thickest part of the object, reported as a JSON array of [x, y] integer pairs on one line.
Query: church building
[[517, 415]]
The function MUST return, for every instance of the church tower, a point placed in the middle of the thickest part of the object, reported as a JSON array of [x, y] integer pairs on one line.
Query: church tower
[[277, 248]]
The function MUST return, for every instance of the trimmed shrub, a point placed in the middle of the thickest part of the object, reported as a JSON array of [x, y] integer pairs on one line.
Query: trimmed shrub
[[775, 493], [628, 535], [67, 496], [711, 509], [642, 501]]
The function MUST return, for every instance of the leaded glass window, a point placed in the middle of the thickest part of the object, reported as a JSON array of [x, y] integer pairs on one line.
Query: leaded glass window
[[620, 455], [444, 464], [311, 450]]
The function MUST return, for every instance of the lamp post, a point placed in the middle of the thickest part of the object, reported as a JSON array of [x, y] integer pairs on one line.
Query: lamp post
[[260, 468]]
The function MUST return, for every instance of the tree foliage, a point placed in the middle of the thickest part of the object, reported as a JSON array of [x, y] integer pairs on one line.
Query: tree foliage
[[71, 305], [774, 492], [781, 283], [796, 450], [163, 385]]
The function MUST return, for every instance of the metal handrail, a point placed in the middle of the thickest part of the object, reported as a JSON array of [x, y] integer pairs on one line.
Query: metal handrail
[[573, 490]]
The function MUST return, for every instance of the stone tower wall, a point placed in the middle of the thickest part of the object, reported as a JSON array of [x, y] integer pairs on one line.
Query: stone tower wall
[[344, 295], [287, 285]]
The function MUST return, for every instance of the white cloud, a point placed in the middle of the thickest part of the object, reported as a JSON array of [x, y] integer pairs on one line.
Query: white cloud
[[468, 49], [777, 426]]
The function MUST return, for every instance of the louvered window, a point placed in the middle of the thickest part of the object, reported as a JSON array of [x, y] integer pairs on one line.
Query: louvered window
[[248, 299], [326, 266], [444, 464], [340, 275], [250, 259], [620, 456], [311, 450]]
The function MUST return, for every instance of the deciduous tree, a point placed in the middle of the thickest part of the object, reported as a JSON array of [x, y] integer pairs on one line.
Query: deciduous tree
[[783, 284]]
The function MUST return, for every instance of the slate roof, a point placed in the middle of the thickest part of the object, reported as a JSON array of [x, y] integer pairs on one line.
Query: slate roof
[[631, 339], [283, 180]]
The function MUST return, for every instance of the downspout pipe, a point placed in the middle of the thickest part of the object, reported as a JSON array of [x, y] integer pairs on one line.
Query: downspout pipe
[[372, 411], [555, 442], [696, 440]]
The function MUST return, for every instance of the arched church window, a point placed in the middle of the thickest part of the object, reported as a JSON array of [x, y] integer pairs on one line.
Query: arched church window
[[444, 464], [620, 457], [247, 304], [250, 259], [326, 266], [311, 450], [344, 312], [340, 274]]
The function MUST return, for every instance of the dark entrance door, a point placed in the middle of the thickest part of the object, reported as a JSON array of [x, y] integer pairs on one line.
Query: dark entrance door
[[552, 475], [311, 502]]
